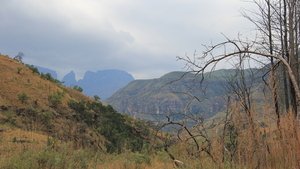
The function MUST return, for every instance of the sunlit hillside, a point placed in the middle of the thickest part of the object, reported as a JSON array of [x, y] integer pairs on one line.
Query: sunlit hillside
[[46, 125]]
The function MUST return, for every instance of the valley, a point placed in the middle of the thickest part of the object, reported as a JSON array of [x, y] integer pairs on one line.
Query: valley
[[157, 123]]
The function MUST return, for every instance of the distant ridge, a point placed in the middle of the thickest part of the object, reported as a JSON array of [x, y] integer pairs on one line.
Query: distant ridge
[[154, 98], [69, 79], [46, 70], [103, 83]]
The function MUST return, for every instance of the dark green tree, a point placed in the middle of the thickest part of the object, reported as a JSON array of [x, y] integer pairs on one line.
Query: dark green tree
[[96, 97], [78, 88], [49, 77], [33, 69]]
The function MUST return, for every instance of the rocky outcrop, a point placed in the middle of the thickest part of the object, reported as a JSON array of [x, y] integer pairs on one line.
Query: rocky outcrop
[[69, 79], [103, 83], [154, 99]]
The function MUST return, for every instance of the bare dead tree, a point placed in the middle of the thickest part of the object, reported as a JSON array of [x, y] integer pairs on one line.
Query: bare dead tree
[[275, 46], [244, 51], [19, 57]]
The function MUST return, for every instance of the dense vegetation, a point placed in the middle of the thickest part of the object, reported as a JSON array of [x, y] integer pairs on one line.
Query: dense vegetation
[[121, 131]]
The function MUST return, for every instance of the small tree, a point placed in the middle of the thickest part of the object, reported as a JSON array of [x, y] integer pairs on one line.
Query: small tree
[[78, 88], [49, 77], [33, 69], [23, 97], [19, 57], [96, 97]]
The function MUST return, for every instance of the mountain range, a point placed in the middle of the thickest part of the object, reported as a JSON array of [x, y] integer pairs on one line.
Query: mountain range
[[103, 83], [154, 98], [46, 70]]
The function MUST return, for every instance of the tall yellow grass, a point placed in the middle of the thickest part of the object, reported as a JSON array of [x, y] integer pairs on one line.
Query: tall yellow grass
[[254, 140]]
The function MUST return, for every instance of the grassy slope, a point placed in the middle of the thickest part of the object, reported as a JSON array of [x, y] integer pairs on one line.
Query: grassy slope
[[27, 142], [24, 145], [18, 130], [13, 84]]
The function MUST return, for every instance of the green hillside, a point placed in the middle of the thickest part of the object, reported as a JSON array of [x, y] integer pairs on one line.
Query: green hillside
[[171, 93]]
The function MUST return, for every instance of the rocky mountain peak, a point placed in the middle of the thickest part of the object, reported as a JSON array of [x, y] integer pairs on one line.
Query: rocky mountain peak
[[69, 79]]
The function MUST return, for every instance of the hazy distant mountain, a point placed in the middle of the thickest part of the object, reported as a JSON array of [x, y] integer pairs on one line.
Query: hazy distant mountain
[[46, 70], [69, 79], [102, 83]]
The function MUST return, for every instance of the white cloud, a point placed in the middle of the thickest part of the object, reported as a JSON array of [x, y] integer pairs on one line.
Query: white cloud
[[141, 37]]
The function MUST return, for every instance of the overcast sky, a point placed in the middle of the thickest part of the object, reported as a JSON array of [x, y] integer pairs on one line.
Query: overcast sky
[[142, 37]]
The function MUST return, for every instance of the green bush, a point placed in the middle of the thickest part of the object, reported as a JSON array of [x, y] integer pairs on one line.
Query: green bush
[[19, 70], [78, 88], [14, 139], [55, 99], [36, 101], [33, 69], [120, 131], [23, 97], [47, 116], [49, 77], [63, 88]]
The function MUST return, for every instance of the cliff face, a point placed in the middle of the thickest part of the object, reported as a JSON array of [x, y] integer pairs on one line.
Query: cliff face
[[151, 98], [168, 95], [69, 79]]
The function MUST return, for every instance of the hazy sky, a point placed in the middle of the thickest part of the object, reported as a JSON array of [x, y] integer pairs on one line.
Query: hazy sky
[[142, 37]]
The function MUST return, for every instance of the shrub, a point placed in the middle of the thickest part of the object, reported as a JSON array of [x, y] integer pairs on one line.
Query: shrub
[[55, 99], [78, 88], [14, 139], [64, 89], [23, 97], [36, 101], [19, 70], [49, 77], [33, 69], [47, 117]]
